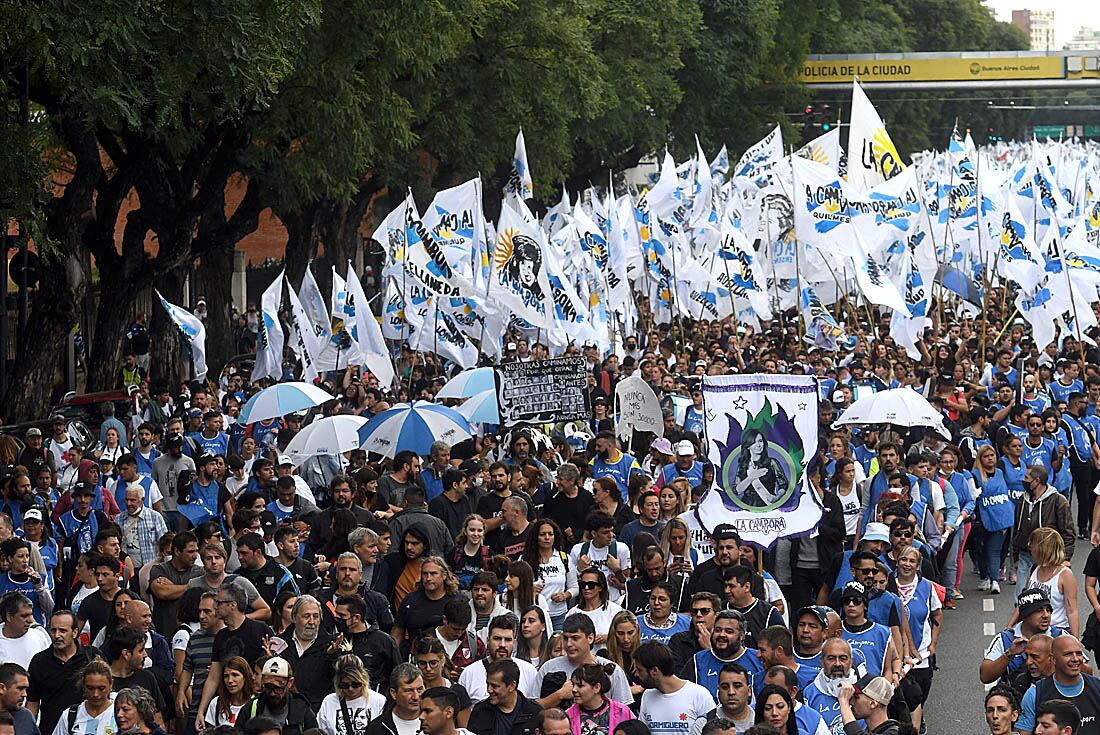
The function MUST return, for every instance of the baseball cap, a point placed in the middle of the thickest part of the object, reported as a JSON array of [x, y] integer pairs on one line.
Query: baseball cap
[[684, 448], [662, 445], [876, 532], [1032, 601], [725, 531], [57, 419], [268, 522], [277, 666], [34, 514], [283, 459], [854, 590], [193, 413], [34, 432], [818, 611], [598, 400], [174, 441], [876, 688], [83, 488], [204, 458], [511, 347]]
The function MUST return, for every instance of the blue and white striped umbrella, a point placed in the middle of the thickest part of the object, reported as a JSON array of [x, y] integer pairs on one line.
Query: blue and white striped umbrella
[[281, 399], [468, 383], [413, 426], [481, 408]]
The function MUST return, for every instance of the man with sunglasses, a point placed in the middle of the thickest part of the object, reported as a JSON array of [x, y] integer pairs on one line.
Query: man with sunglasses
[[685, 644], [726, 647], [883, 607], [278, 700], [872, 639]]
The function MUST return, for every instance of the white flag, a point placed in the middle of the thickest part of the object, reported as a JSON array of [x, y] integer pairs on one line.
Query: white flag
[[366, 333], [303, 340], [269, 346], [872, 157], [338, 351], [519, 180], [824, 149], [314, 304], [763, 155], [192, 328], [519, 279]]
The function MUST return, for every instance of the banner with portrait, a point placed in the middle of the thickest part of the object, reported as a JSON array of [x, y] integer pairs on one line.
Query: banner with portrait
[[761, 436]]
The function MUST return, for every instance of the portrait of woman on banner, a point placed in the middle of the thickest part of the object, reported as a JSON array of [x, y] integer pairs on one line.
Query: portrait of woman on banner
[[760, 479]]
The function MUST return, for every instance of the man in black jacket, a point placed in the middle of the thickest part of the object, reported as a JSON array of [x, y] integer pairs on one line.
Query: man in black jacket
[[374, 648], [505, 703], [655, 570], [278, 701], [708, 576], [343, 497], [811, 557], [307, 651]]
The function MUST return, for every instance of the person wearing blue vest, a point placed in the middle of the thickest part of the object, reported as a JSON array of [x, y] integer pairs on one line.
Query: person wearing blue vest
[[996, 509], [1005, 655], [127, 475], [1001, 372], [956, 522], [145, 451], [836, 670], [211, 440], [82, 522], [1053, 430], [889, 463], [1068, 683], [1068, 382], [775, 649], [1039, 448], [1011, 465], [611, 462], [203, 501], [864, 451], [726, 647], [872, 639], [693, 418], [1082, 453], [685, 466], [1034, 397], [925, 614], [661, 621]]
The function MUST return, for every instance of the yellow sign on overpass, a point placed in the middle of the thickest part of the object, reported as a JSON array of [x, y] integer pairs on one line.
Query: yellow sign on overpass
[[1004, 68]]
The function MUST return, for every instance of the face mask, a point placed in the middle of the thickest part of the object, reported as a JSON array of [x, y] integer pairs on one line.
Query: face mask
[[478, 482], [605, 455], [342, 626]]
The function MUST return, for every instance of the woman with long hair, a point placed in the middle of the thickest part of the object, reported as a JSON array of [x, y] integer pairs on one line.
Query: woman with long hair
[[622, 641], [925, 614], [435, 666], [775, 708], [112, 447], [352, 705], [235, 690], [343, 523], [843, 483], [681, 557], [94, 715], [671, 497], [136, 712], [997, 513], [555, 575], [533, 643], [519, 590], [592, 703], [470, 554], [760, 479], [595, 602], [1051, 575], [281, 619], [114, 617]]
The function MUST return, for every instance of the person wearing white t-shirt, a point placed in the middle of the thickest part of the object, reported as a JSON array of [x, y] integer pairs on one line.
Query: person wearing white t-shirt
[[502, 642], [352, 707], [670, 705], [603, 552], [96, 714], [20, 637], [404, 716]]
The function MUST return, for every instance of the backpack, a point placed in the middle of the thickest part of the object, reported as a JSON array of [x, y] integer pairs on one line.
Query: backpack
[[612, 549]]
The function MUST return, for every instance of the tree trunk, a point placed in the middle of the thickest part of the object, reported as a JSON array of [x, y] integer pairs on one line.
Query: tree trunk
[[165, 352], [214, 274], [114, 315], [54, 310], [301, 243]]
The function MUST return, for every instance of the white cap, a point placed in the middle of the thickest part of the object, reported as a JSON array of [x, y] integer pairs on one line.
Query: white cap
[[685, 448], [276, 667]]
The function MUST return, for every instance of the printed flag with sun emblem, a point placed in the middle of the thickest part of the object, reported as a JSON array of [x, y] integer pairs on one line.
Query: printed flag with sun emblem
[[761, 437], [872, 157], [824, 149], [518, 278]]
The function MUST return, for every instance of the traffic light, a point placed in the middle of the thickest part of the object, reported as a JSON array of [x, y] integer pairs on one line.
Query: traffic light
[[809, 124], [826, 118], [992, 136]]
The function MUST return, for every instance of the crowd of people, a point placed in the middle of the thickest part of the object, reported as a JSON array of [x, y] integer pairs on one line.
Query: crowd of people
[[186, 575]]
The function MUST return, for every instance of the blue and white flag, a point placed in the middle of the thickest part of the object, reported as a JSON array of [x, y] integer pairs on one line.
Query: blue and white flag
[[303, 340], [519, 179], [366, 333], [269, 345], [762, 156], [314, 304], [193, 329]]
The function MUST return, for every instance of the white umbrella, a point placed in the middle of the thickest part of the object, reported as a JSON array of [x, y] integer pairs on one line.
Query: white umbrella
[[468, 383], [332, 435], [281, 399], [898, 406]]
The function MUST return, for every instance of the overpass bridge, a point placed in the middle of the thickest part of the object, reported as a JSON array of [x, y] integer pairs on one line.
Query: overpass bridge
[[954, 70]]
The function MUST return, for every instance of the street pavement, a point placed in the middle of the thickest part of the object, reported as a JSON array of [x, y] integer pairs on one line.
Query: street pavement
[[955, 703]]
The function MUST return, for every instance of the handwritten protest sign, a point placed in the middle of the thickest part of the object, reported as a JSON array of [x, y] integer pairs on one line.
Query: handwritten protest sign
[[542, 391]]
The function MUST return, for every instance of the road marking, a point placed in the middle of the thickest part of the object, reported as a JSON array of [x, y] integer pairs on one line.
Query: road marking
[[987, 605], [989, 629]]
